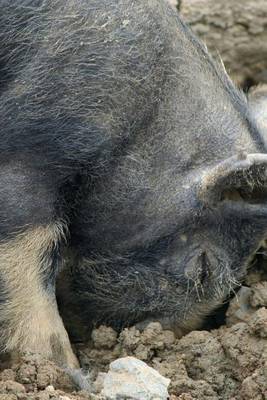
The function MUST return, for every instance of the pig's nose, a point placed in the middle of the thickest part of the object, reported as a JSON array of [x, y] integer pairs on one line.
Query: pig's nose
[[198, 268]]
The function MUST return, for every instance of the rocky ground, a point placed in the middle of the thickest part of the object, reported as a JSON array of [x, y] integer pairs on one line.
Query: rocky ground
[[226, 363]]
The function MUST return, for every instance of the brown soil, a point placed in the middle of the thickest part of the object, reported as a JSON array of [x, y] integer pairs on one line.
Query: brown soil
[[227, 363], [236, 30]]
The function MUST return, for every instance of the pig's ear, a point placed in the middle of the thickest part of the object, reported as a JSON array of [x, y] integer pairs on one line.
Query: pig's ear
[[257, 101], [238, 178]]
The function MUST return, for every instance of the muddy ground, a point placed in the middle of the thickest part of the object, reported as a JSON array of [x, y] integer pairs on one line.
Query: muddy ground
[[229, 362]]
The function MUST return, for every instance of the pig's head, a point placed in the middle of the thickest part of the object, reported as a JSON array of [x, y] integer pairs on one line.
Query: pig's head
[[226, 227], [192, 266]]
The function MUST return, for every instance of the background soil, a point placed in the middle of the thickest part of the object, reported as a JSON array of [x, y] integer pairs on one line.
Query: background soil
[[229, 362], [236, 30]]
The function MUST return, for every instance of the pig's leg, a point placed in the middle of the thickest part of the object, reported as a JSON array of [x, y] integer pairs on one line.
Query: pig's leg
[[29, 252]]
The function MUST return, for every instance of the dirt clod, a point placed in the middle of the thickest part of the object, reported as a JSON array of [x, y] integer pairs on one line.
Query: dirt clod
[[104, 337], [228, 363]]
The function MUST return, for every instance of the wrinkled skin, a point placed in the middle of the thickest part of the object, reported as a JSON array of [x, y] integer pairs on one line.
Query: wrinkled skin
[[126, 148]]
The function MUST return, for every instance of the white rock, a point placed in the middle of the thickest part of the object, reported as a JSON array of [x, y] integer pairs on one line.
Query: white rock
[[99, 382], [130, 378], [173, 3], [50, 388]]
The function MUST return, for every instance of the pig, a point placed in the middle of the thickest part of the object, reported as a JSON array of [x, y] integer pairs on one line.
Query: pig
[[127, 149]]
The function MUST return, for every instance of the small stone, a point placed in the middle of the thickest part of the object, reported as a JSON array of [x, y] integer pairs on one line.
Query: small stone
[[131, 378], [50, 388]]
